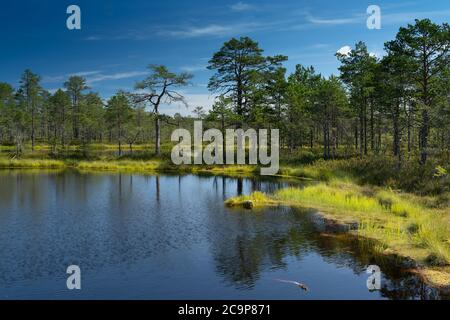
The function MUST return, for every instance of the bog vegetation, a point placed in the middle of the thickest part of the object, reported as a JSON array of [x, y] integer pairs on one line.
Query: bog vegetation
[[388, 118], [395, 105], [382, 120], [381, 125]]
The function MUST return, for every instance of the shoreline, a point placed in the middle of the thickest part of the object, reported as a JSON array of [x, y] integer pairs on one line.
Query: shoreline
[[437, 277]]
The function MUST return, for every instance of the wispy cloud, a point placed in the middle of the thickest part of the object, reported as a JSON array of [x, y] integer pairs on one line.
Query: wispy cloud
[[123, 35], [212, 30], [94, 76], [336, 21], [115, 76], [194, 68], [404, 17], [386, 18], [93, 38], [85, 73], [223, 30], [241, 6], [290, 21], [52, 79], [59, 78], [319, 46]]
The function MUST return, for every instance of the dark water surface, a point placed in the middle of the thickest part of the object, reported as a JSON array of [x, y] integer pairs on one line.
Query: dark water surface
[[171, 237]]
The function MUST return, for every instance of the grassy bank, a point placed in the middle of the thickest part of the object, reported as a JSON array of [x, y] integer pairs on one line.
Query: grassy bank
[[138, 166], [430, 179], [414, 222], [406, 224], [32, 164], [379, 170], [161, 166]]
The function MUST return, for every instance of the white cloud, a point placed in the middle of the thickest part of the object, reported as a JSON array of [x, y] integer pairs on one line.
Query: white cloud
[[93, 38], [386, 18], [52, 79], [404, 17], [94, 76], [241, 6], [336, 21], [53, 90], [199, 99], [194, 68], [212, 30], [64, 77], [345, 50], [319, 46], [193, 100], [193, 32], [84, 73], [115, 76], [290, 21]]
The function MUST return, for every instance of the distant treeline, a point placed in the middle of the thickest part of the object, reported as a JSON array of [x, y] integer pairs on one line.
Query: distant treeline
[[398, 104]]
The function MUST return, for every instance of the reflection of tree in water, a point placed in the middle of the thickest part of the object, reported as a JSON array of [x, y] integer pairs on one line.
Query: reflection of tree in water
[[258, 246], [409, 287], [158, 191], [244, 244], [239, 186], [249, 249], [357, 253]]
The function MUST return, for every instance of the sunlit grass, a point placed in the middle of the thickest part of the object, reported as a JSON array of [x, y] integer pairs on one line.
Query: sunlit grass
[[257, 198], [398, 220], [415, 226], [31, 163], [126, 165], [123, 165]]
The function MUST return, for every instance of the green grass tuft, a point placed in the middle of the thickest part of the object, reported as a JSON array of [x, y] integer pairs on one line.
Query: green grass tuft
[[398, 220]]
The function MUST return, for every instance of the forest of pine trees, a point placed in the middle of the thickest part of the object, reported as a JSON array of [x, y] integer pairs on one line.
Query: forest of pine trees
[[396, 105]]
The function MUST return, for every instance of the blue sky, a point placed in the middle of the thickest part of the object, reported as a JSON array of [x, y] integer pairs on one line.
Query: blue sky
[[118, 39]]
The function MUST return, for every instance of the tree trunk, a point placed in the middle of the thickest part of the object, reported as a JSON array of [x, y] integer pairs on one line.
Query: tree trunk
[[239, 186], [224, 145], [32, 127], [372, 132], [395, 120], [325, 142], [158, 191], [334, 142], [425, 118], [63, 122], [55, 138], [361, 132], [119, 135], [424, 137], [157, 135], [408, 119], [76, 132], [240, 103], [365, 126]]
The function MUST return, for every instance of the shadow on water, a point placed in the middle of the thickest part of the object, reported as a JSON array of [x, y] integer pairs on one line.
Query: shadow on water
[[242, 261], [156, 234]]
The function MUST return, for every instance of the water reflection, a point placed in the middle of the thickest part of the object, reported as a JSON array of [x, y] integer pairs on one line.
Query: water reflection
[[149, 233]]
